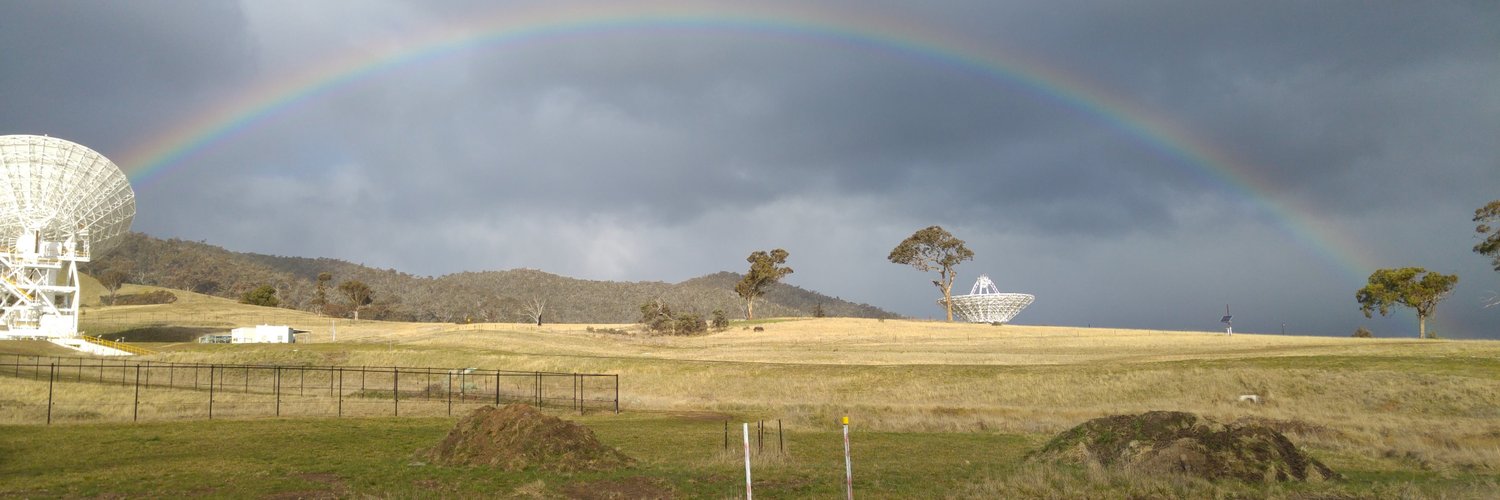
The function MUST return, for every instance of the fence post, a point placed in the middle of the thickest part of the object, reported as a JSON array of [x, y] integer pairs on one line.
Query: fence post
[[617, 394], [497, 387], [748, 494], [276, 382], [136, 412], [538, 389], [210, 392], [301, 379], [848, 468], [341, 392], [51, 374], [449, 391], [396, 390], [171, 375]]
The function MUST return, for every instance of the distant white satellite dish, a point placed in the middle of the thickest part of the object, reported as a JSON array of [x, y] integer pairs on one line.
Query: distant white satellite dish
[[60, 204], [985, 303]]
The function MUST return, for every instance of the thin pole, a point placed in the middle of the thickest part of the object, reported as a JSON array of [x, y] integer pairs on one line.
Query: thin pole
[[341, 392], [848, 468], [396, 390], [726, 436], [330, 380], [210, 392], [449, 391], [276, 384], [51, 374], [301, 379], [780, 441], [246, 389], [617, 394], [749, 494], [539, 389], [497, 387], [171, 374], [136, 415], [362, 379]]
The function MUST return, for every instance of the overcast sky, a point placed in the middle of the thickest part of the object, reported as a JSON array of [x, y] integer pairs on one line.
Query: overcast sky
[[1325, 139]]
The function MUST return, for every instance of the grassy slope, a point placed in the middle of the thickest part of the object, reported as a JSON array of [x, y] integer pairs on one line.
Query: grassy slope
[[1383, 410]]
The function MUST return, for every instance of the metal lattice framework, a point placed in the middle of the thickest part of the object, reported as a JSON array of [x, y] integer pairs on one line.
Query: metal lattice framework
[[985, 303], [60, 204]]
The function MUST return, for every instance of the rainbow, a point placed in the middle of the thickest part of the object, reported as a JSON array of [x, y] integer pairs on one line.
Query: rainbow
[[858, 30]]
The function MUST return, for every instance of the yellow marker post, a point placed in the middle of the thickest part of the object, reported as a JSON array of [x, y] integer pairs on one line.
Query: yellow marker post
[[848, 469]]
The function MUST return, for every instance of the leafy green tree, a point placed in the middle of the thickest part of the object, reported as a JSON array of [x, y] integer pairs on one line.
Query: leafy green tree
[[264, 295], [320, 296], [1412, 287], [656, 316], [934, 248], [765, 269], [720, 320], [112, 279], [1488, 218], [358, 293]]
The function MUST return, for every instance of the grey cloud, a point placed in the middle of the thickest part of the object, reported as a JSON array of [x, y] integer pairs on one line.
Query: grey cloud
[[670, 153]]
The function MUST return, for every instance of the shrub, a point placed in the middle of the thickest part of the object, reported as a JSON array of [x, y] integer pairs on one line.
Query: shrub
[[264, 295], [1363, 333], [688, 324], [720, 320], [140, 299]]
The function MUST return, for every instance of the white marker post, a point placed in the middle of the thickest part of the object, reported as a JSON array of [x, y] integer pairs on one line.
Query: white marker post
[[748, 494], [848, 468]]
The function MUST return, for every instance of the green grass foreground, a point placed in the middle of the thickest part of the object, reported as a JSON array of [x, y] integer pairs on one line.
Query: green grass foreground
[[679, 456]]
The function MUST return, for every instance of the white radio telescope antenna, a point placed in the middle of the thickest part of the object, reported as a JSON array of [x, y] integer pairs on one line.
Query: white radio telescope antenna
[[60, 204], [985, 303]]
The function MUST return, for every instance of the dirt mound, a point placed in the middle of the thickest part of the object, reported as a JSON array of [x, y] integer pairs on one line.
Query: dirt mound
[[1169, 441], [518, 437]]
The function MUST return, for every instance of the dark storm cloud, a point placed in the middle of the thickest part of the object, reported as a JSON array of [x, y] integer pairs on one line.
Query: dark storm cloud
[[669, 153], [104, 71]]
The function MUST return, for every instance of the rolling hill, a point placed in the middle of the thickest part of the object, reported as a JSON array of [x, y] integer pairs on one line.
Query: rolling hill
[[488, 296]]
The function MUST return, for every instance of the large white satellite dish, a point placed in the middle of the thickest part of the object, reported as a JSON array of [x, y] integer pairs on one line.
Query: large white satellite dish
[[60, 204], [985, 303]]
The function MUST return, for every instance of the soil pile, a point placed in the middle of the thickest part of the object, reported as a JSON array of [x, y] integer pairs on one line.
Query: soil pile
[[1178, 442], [518, 437]]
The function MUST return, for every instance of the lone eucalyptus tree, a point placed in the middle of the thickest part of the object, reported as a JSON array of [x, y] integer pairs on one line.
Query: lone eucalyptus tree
[[1412, 287], [765, 268], [934, 248]]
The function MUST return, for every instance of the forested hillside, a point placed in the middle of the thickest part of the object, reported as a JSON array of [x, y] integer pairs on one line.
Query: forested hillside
[[489, 296]]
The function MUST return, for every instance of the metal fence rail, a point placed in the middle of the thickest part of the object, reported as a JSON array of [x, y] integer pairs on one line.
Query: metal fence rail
[[83, 389]]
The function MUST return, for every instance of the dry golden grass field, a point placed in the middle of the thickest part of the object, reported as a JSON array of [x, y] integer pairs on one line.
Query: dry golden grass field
[[1394, 406]]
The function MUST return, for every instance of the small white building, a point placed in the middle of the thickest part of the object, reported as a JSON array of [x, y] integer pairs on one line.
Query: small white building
[[262, 334]]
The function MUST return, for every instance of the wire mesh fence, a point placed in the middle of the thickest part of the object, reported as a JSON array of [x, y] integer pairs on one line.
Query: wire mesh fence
[[47, 389]]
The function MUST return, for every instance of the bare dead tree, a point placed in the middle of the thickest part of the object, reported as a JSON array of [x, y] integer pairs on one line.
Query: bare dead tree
[[534, 308]]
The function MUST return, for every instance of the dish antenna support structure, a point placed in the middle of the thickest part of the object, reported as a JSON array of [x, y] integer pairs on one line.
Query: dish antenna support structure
[[60, 204], [985, 303]]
